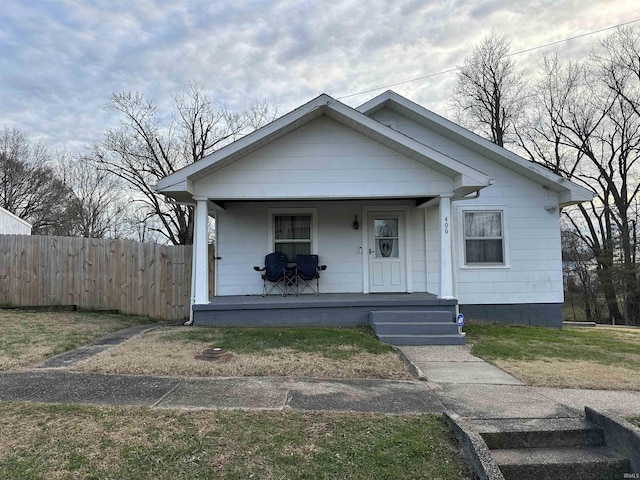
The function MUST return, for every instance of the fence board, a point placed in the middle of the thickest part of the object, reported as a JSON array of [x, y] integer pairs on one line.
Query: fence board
[[95, 274]]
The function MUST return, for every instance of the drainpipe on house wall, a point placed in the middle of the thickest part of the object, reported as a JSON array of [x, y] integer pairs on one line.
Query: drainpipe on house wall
[[192, 300]]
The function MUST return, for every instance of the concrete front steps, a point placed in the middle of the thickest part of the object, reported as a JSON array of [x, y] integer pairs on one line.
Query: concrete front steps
[[550, 449], [405, 327]]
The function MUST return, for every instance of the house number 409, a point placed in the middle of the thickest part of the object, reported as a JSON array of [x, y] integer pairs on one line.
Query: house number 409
[[446, 224]]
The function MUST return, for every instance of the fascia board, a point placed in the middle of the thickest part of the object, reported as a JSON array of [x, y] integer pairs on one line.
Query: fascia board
[[572, 197], [166, 185], [470, 140]]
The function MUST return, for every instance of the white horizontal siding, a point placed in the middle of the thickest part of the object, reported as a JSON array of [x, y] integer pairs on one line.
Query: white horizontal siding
[[12, 225], [242, 242], [326, 159], [534, 273], [323, 159]]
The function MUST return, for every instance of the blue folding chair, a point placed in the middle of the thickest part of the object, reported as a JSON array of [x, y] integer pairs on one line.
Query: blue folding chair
[[308, 270], [273, 273]]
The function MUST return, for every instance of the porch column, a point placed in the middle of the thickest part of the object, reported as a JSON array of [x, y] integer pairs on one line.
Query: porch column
[[446, 257], [200, 278]]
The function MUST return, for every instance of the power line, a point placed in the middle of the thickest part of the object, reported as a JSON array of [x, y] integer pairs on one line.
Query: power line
[[450, 70]]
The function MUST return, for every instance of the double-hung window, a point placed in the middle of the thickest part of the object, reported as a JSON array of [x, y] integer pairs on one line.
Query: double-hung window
[[483, 237], [292, 234]]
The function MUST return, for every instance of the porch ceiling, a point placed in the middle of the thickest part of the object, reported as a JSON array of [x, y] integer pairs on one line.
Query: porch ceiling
[[221, 202]]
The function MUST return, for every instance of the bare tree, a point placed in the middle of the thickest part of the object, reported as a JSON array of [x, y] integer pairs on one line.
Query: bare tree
[[145, 149], [29, 187], [580, 278], [98, 206], [618, 62], [585, 126], [489, 94]]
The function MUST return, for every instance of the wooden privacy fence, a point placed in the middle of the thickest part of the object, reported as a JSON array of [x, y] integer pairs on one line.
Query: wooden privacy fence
[[97, 274]]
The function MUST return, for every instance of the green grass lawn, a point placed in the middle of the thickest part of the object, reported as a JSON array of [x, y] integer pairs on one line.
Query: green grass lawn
[[27, 337], [317, 352], [605, 346], [58, 441], [335, 343], [596, 357]]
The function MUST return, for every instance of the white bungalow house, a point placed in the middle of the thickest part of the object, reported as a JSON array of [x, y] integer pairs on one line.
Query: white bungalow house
[[11, 224], [474, 228]]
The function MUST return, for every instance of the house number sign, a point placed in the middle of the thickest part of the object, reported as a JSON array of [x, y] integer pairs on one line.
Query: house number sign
[[446, 224]]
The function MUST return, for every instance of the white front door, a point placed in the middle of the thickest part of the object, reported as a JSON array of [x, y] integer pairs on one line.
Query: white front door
[[386, 252]]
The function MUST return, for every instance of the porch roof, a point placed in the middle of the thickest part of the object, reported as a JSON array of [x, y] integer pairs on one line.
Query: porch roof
[[180, 185]]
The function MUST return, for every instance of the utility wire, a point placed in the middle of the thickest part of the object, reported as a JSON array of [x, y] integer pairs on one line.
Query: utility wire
[[442, 72]]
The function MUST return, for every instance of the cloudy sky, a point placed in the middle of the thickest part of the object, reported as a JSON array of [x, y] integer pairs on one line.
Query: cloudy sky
[[61, 60]]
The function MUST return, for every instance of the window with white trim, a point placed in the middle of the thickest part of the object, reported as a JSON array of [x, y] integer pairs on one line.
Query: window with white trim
[[483, 237], [292, 234]]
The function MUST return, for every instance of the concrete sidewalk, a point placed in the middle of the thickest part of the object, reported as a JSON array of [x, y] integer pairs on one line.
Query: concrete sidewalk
[[59, 386], [451, 379], [473, 388]]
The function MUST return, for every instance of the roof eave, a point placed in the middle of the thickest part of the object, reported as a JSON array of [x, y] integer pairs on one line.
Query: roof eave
[[569, 192]]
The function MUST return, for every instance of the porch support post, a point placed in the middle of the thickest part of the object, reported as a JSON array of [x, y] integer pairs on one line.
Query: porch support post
[[200, 279], [446, 257]]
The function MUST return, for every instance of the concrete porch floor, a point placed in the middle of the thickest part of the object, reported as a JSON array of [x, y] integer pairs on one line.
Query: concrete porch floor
[[331, 309]]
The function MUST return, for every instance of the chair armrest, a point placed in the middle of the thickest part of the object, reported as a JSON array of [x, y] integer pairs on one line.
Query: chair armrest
[[322, 267], [258, 269]]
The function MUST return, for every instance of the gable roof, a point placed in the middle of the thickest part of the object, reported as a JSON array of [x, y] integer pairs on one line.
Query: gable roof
[[179, 185], [569, 193]]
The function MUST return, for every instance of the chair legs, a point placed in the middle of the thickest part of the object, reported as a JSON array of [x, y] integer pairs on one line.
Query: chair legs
[[303, 284], [280, 286]]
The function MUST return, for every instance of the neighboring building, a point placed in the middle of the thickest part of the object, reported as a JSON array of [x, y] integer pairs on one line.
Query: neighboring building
[[439, 210], [11, 224]]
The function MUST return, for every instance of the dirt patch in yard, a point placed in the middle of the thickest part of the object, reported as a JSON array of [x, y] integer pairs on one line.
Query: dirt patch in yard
[[572, 374], [151, 354]]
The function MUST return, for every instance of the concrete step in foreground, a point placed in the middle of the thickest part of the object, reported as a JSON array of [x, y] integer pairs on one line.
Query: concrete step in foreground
[[550, 448], [539, 433], [585, 463]]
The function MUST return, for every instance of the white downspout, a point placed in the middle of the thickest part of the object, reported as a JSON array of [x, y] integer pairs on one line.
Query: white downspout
[[193, 282]]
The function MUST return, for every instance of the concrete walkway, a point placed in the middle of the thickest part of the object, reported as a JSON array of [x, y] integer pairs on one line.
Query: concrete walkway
[[473, 388], [452, 379]]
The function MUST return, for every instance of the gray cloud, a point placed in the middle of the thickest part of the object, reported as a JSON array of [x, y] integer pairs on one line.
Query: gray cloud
[[61, 60]]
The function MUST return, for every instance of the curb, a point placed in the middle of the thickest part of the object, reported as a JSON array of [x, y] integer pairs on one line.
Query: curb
[[474, 448], [414, 370], [620, 435]]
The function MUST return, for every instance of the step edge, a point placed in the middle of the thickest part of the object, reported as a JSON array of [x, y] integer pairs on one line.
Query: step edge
[[513, 457]]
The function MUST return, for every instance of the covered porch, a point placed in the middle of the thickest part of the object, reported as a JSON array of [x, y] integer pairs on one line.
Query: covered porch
[[398, 319], [329, 309]]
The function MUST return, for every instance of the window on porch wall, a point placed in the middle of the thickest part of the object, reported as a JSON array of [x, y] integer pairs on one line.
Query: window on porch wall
[[483, 239], [292, 235]]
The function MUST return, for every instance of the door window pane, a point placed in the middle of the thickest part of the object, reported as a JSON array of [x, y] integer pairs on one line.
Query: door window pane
[[386, 239]]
